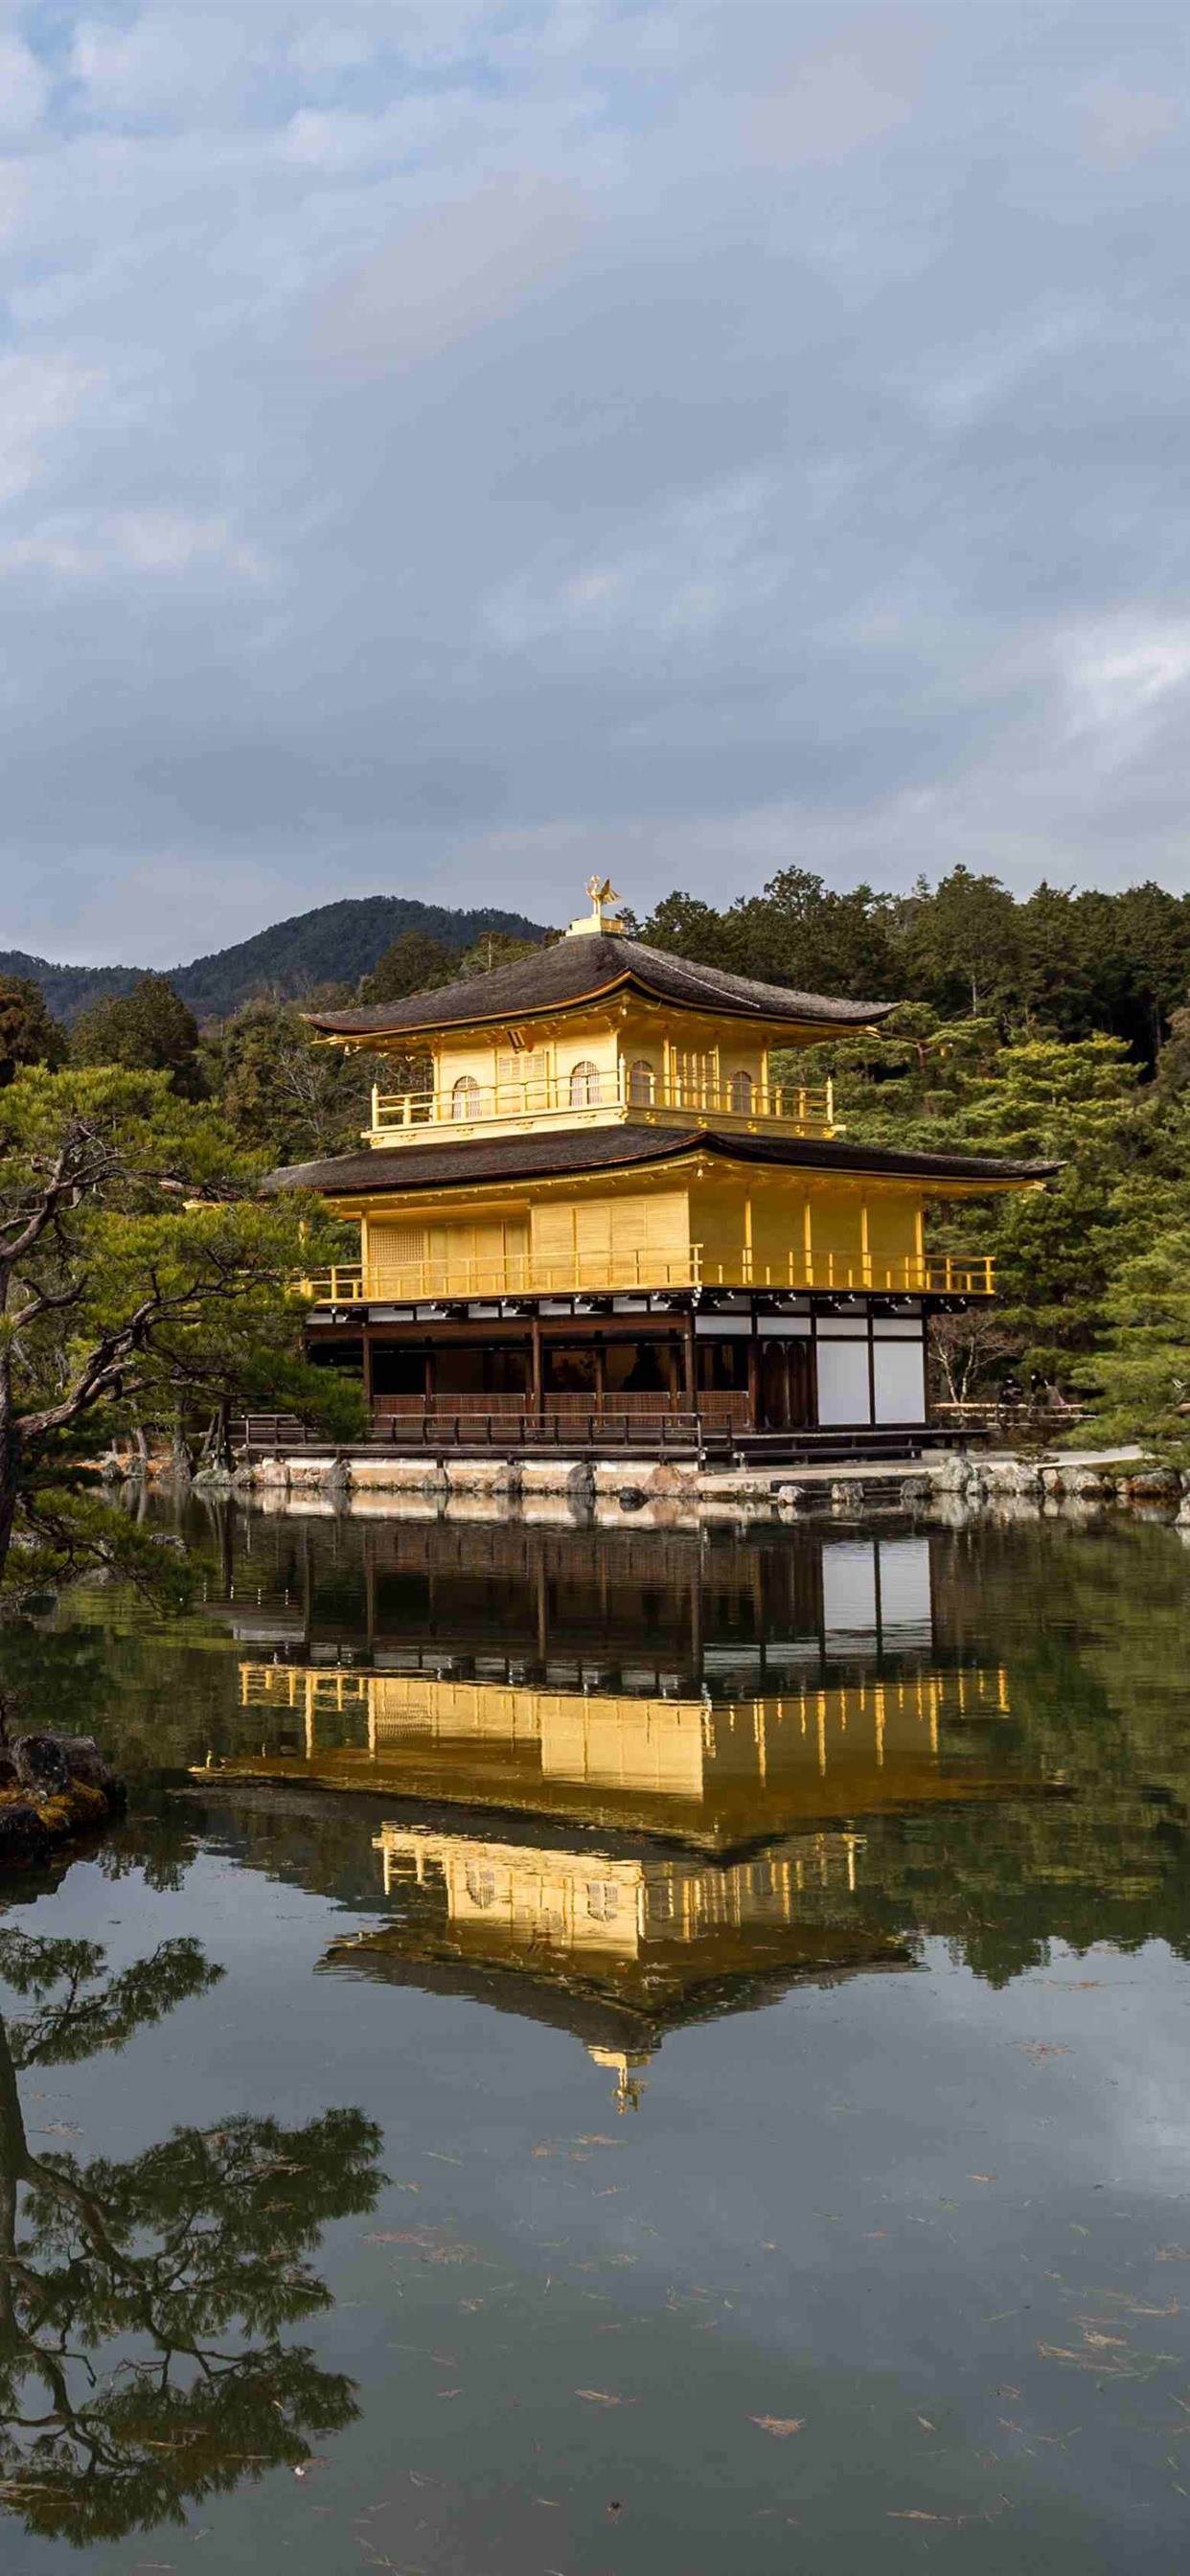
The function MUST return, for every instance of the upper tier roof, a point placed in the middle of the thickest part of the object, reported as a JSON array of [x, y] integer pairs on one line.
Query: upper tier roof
[[526, 1158], [584, 970]]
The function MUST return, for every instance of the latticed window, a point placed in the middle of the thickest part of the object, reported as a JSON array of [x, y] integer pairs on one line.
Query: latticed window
[[523, 1079], [464, 1098], [481, 1886], [641, 1083], [603, 1900], [694, 1080], [740, 1092], [584, 1085]]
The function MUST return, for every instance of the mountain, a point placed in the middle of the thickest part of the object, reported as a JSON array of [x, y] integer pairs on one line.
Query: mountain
[[334, 944]]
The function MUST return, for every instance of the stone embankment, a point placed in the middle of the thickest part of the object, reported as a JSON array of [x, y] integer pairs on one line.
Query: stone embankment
[[947, 1486], [52, 1787]]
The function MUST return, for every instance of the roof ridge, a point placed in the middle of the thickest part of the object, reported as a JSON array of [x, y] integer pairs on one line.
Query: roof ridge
[[571, 973]]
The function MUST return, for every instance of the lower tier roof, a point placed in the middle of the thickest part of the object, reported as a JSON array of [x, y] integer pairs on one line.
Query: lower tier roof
[[410, 1168]]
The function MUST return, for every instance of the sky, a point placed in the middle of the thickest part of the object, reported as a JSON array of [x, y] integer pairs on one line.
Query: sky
[[448, 448]]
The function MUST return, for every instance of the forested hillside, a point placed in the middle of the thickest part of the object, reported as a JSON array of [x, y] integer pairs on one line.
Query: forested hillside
[[335, 944]]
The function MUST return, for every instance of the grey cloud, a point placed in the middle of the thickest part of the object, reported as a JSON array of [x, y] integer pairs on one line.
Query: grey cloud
[[449, 273], [861, 85], [414, 520]]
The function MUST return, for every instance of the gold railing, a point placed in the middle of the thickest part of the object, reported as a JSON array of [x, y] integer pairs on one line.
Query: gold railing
[[808, 1108], [341, 1285], [941, 1274]]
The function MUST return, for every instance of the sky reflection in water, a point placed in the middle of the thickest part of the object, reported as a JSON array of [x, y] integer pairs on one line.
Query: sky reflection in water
[[708, 2093]]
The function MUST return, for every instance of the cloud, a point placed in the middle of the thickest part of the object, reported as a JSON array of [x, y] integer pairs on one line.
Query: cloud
[[1121, 126], [851, 92], [161, 543], [39, 398], [165, 65], [1120, 684], [24, 88], [460, 447], [450, 273]]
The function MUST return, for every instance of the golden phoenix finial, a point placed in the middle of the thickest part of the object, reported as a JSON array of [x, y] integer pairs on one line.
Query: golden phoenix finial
[[602, 893]]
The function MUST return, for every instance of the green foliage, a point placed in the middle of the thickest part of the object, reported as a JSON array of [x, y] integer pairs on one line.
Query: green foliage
[[281, 1094], [799, 932], [414, 963], [27, 1033], [1141, 1369], [150, 1030], [1058, 962], [141, 1280]]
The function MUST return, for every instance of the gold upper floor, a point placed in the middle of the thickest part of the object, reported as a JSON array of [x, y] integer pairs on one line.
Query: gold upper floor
[[599, 1077], [604, 1068]]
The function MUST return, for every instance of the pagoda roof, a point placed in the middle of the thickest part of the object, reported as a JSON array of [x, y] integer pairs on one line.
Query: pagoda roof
[[581, 970], [631, 2010], [523, 1158]]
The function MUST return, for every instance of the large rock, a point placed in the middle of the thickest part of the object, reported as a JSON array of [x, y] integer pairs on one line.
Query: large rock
[[958, 1475], [53, 1786], [491, 1476], [1012, 1476], [42, 1763]]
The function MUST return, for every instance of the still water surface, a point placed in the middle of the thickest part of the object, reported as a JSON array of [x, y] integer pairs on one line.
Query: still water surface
[[635, 2051]]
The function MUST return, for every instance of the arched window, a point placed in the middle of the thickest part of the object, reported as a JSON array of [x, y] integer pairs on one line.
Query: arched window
[[740, 1092], [464, 1098], [641, 1079], [584, 1085], [481, 1885]]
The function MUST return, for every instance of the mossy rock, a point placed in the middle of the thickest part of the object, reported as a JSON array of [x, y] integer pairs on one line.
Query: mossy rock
[[53, 1787]]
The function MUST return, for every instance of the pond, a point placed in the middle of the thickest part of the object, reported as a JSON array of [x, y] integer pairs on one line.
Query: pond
[[608, 2050]]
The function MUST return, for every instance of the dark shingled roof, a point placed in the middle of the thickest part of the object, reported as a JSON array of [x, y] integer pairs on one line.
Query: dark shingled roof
[[581, 970], [593, 1149]]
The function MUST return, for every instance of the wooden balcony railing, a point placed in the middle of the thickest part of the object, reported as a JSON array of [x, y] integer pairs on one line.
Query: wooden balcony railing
[[805, 1109], [941, 1274], [341, 1285]]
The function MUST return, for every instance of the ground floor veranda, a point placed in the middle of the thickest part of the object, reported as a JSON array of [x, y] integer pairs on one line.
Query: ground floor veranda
[[735, 1361]]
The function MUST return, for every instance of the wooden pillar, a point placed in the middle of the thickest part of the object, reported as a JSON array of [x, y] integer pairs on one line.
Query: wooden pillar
[[368, 1371], [537, 1375], [808, 1239], [690, 1363], [754, 1379]]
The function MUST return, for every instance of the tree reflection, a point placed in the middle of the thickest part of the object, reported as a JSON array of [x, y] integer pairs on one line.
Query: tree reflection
[[142, 2303]]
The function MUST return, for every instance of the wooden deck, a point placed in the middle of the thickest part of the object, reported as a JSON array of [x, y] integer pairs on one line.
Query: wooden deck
[[481, 1431]]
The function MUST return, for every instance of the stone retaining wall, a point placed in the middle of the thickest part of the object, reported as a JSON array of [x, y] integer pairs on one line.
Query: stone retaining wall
[[947, 1486]]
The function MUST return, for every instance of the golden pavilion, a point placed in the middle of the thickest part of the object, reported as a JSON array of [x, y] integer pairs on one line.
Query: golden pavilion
[[595, 1205]]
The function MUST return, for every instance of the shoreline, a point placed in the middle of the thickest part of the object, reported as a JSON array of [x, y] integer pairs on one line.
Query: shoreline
[[948, 1487]]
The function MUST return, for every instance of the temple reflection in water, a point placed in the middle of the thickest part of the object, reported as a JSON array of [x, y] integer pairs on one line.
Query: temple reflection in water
[[628, 1777]]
